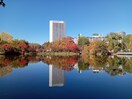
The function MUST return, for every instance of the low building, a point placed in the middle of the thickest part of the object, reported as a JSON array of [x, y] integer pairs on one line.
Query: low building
[[96, 37], [122, 34], [75, 40]]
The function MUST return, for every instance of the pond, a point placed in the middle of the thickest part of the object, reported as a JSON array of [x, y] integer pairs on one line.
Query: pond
[[65, 77]]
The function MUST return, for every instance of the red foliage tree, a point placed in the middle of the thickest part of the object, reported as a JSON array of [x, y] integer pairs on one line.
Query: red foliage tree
[[72, 47], [23, 46], [6, 47]]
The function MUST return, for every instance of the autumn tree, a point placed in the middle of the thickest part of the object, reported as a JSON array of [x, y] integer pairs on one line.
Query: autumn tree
[[23, 45], [6, 48], [46, 46], [6, 37], [65, 44], [15, 46], [98, 48], [34, 47]]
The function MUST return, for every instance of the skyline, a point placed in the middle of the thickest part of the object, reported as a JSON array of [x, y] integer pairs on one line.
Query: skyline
[[29, 20]]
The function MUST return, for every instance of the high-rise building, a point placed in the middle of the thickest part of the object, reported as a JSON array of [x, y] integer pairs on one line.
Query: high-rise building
[[56, 76], [57, 30]]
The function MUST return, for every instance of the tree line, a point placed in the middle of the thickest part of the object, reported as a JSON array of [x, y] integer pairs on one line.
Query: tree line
[[112, 43], [10, 46]]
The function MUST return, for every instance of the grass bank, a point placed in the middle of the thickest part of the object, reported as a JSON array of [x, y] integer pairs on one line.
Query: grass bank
[[57, 54]]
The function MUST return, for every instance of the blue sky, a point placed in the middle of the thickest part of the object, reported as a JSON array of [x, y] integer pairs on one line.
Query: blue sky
[[29, 19]]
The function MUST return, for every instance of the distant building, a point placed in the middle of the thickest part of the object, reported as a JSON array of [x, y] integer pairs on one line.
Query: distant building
[[122, 34], [79, 35], [96, 37], [57, 30], [75, 40]]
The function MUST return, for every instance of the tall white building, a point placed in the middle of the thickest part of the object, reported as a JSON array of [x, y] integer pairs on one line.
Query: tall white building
[[57, 30]]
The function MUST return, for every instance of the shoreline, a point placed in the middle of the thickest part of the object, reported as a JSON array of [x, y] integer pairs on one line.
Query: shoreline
[[58, 54]]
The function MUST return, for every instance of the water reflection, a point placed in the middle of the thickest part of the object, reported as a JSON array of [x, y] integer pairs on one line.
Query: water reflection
[[114, 65], [57, 68], [63, 63], [8, 63], [56, 76]]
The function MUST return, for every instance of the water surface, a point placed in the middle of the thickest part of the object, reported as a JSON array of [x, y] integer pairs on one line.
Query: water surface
[[72, 77]]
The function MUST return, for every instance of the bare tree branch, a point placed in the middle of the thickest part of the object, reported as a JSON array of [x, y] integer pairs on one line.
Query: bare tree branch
[[2, 3]]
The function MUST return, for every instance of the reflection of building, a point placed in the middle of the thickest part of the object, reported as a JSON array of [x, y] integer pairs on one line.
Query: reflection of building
[[56, 76], [76, 67], [57, 30], [96, 69]]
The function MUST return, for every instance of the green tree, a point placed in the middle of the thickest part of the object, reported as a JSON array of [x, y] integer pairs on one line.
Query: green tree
[[82, 41], [128, 42], [115, 66], [83, 65], [115, 42]]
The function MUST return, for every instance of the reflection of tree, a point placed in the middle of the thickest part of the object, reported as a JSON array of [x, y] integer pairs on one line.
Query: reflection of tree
[[34, 59], [5, 66], [128, 66], [5, 70], [64, 63], [7, 63], [115, 66], [97, 62], [83, 65], [20, 62]]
